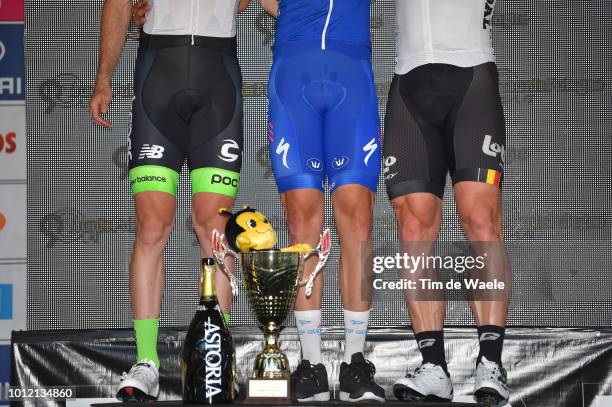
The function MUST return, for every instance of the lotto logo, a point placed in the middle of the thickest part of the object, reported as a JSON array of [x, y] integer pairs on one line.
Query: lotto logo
[[151, 151]]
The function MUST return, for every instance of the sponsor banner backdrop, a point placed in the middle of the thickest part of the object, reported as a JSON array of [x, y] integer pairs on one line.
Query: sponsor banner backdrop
[[12, 143], [11, 10], [12, 222], [556, 85], [13, 294], [12, 86]]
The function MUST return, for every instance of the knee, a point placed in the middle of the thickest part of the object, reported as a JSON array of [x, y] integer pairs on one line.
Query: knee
[[481, 224], [204, 222], [356, 219], [302, 218], [418, 226], [151, 230]]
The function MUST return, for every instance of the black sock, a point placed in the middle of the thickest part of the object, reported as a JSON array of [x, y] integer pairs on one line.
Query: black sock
[[491, 338], [431, 345]]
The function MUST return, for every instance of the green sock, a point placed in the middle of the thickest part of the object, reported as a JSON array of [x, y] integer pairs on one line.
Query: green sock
[[226, 317], [146, 339]]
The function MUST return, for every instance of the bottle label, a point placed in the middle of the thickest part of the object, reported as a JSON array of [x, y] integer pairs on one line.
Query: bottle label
[[213, 359]]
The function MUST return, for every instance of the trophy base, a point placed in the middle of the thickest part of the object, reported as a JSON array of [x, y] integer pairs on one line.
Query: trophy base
[[267, 391]]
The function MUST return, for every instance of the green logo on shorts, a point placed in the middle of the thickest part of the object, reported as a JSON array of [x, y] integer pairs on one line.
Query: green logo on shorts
[[217, 180], [153, 178]]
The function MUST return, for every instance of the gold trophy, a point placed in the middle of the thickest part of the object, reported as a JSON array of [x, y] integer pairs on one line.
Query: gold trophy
[[271, 279]]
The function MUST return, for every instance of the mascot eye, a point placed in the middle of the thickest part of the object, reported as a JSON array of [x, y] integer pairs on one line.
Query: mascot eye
[[251, 223], [266, 220]]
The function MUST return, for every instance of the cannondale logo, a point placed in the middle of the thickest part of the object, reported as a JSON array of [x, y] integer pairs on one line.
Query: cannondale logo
[[369, 148], [283, 149], [426, 343], [2, 50], [151, 151], [489, 336], [226, 154]]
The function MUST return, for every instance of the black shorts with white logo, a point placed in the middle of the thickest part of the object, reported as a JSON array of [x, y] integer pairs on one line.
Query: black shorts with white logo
[[443, 118], [187, 104]]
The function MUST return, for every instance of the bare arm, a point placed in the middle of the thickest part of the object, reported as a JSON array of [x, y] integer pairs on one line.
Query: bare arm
[[243, 5], [271, 6], [113, 30]]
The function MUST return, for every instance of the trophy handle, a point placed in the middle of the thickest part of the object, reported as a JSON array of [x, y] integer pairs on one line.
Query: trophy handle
[[220, 250], [322, 251]]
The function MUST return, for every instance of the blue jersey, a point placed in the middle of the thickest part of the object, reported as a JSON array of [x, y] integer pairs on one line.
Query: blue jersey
[[323, 23]]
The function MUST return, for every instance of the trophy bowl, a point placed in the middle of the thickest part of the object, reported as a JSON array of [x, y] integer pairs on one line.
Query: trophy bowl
[[271, 279]]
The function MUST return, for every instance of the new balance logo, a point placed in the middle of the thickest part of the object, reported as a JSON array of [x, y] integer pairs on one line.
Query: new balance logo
[[338, 163], [369, 148], [493, 149], [283, 149], [426, 343], [489, 336], [151, 151], [226, 154]]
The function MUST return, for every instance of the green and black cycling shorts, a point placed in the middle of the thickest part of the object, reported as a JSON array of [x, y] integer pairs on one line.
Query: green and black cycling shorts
[[187, 104]]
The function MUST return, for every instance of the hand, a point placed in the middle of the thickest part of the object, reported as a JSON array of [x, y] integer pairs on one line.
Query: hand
[[99, 102], [139, 12]]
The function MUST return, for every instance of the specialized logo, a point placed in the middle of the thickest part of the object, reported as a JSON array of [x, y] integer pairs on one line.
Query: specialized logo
[[283, 149], [223, 179], [314, 164], [151, 151], [426, 343], [389, 162], [2, 50], [341, 162], [493, 149], [369, 148], [489, 336], [226, 154], [488, 14], [213, 359]]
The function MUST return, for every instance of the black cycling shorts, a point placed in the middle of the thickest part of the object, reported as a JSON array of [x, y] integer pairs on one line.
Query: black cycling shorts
[[187, 103], [443, 118]]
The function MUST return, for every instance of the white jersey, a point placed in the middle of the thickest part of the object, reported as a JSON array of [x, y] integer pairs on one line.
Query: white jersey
[[209, 18], [455, 32]]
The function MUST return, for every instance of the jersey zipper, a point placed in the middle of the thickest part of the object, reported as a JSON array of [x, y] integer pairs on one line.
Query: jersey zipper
[[324, 34]]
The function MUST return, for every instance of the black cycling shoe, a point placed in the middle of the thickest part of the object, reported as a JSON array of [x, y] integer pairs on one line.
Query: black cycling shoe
[[309, 382], [357, 381]]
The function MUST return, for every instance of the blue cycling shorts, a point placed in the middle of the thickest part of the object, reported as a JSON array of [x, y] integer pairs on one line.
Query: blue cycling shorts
[[323, 120]]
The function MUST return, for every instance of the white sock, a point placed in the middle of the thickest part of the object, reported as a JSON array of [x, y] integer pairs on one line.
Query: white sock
[[355, 330], [309, 330]]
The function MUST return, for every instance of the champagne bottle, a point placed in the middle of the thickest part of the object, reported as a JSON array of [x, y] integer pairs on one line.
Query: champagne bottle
[[208, 362]]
